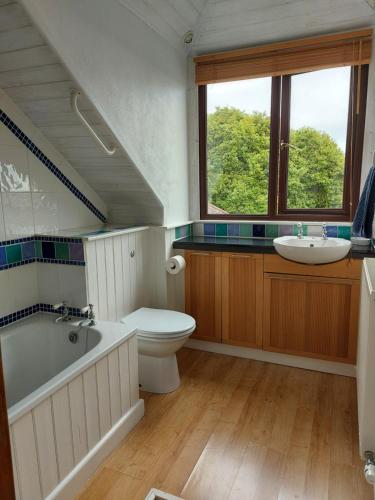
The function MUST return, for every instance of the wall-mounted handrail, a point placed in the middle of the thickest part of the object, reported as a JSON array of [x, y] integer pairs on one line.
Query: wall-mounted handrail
[[73, 100]]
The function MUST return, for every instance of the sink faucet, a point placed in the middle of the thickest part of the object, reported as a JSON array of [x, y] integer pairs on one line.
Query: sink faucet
[[65, 311], [324, 231], [90, 320], [300, 231]]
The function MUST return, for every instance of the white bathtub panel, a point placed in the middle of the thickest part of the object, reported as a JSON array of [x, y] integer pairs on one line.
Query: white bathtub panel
[[15, 468], [27, 459], [141, 295], [103, 396], [111, 291], [91, 275], [63, 431], [114, 386], [91, 406], [45, 439], [133, 370], [77, 412], [123, 353], [119, 284], [102, 280]]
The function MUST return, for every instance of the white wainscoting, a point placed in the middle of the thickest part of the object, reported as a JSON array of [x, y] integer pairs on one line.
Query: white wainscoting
[[54, 439], [117, 279]]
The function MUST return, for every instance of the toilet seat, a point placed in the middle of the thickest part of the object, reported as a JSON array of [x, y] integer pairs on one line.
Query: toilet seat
[[159, 324]]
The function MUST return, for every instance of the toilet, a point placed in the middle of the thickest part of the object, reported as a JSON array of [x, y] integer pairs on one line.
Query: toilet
[[160, 334]]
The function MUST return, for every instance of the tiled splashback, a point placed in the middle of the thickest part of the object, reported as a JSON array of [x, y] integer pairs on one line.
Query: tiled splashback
[[264, 230], [28, 311], [183, 231], [41, 249]]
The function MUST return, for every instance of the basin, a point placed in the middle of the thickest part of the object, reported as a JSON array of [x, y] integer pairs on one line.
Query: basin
[[312, 249]]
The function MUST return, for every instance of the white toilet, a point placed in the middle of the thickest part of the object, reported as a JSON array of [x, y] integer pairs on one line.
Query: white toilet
[[160, 333]]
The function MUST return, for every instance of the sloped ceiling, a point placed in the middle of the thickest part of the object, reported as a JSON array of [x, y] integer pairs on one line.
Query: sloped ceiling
[[226, 24], [34, 78]]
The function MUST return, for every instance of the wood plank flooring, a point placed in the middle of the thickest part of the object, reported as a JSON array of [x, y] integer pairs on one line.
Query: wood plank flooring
[[239, 429]]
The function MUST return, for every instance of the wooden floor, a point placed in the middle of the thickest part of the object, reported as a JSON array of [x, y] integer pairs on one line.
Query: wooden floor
[[239, 429]]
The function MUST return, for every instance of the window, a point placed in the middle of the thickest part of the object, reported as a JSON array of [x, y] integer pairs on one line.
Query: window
[[289, 145]]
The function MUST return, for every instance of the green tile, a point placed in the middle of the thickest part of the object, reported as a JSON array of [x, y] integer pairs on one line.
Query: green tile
[[221, 229], [304, 229], [62, 251], [14, 253], [177, 233], [38, 249], [246, 230], [344, 232], [188, 230], [272, 230]]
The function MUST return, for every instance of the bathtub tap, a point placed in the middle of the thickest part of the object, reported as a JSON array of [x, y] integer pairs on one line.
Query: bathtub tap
[[90, 320], [65, 311]]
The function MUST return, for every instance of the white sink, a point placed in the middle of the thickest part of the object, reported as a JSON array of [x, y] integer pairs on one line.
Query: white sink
[[312, 249]]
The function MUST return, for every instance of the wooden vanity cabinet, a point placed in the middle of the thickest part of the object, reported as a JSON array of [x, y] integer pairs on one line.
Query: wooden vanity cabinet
[[311, 316], [267, 302], [242, 299], [203, 293]]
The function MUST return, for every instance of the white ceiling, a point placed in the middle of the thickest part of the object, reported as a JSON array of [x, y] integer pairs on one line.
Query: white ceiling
[[226, 24]]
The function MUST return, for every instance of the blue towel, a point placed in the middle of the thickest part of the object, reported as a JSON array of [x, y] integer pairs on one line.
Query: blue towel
[[362, 222]]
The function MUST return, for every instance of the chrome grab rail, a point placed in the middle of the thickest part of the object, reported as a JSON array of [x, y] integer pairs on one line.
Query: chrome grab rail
[[73, 100]]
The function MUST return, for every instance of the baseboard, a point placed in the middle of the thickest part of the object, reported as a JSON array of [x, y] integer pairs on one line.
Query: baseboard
[[318, 365], [76, 479]]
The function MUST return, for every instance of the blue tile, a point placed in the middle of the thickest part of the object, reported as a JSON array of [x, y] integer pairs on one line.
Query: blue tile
[[3, 256], [28, 250], [332, 231], [209, 229], [233, 230], [48, 250], [259, 230]]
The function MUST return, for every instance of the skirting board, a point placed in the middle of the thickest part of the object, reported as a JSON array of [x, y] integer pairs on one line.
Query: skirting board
[[76, 479], [318, 365]]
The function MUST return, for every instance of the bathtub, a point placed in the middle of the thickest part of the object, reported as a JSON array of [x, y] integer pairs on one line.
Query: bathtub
[[72, 394]]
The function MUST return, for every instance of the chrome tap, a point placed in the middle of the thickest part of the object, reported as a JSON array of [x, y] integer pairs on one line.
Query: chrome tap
[[90, 320], [65, 311], [300, 231], [324, 231]]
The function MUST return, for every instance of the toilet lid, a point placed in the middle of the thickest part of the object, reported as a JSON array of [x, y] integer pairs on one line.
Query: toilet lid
[[159, 321]]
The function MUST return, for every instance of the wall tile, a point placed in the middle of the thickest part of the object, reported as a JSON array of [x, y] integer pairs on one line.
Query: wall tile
[[272, 230], [344, 232], [48, 250], [332, 231], [259, 230], [18, 215], [46, 212], [28, 250], [62, 251], [3, 256], [14, 253], [233, 230], [76, 251], [221, 229], [209, 229], [6, 298], [14, 170], [40, 179], [246, 230], [285, 229], [23, 286]]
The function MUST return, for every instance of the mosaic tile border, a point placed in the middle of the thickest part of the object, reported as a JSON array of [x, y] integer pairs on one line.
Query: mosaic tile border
[[51, 250], [12, 127], [264, 230], [183, 231], [28, 311]]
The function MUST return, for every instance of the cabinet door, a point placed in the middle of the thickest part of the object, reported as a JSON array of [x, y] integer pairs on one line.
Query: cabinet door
[[242, 299], [203, 293], [311, 316]]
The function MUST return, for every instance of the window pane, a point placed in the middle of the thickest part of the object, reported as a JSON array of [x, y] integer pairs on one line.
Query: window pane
[[238, 143], [318, 126]]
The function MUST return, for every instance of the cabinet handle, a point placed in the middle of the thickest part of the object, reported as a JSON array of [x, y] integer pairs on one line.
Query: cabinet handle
[[132, 253]]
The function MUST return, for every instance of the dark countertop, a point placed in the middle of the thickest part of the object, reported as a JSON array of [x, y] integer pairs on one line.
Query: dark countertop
[[248, 245]]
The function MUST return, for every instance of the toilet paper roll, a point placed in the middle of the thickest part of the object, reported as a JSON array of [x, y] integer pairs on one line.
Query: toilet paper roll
[[175, 264]]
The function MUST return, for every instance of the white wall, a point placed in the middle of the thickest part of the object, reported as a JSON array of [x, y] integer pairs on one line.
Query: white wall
[[369, 139], [32, 199], [136, 81]]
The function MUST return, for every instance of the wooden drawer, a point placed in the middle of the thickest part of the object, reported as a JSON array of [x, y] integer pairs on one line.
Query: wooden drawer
[[346, 268]]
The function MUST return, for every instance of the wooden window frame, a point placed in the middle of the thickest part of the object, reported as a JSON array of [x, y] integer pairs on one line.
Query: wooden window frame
[[278, 158]]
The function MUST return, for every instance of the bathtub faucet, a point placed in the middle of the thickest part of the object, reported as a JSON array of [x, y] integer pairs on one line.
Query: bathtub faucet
[[90, 320], [65, 311]]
